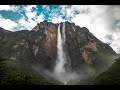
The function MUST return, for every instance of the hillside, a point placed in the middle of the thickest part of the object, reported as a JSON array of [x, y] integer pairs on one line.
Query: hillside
[[109, 77], [13, 73]]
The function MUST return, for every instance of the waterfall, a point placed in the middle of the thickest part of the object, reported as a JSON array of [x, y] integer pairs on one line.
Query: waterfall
[[60, 72], [61, 59]]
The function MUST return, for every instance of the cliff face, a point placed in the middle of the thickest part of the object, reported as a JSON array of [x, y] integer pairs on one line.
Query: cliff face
[[39, 46], [84, 49]]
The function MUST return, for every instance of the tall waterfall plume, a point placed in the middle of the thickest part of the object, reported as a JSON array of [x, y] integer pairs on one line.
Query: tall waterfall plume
[[61, 60], [59, 71]]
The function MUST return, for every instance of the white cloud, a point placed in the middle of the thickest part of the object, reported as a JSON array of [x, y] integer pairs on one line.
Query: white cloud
[[39, 18], [30, 24], [7, 23], [93, 21], [116, 45], [46, 8], [57, 20], [32, 16], [28, 11], [99, 20], [8, 7], [28, 8], [23, 22]]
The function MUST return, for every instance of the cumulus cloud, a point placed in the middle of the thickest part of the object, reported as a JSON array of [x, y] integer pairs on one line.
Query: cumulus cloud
[[32, 17], [102, 21], [31, 14], [39, 18], [46, 9], [57, 20], [24, 23], [8, 8], [55, 14], [7, 23], [28, 11]]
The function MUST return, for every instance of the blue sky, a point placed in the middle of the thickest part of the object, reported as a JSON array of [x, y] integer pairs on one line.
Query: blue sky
[[102, 21]]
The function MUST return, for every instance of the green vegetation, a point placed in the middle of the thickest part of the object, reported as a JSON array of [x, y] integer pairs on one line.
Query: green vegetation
[[18, 74], [109, 77], [14, 73]]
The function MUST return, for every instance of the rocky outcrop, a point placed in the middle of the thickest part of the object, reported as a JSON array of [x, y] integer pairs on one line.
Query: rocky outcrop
[[39, 46]]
